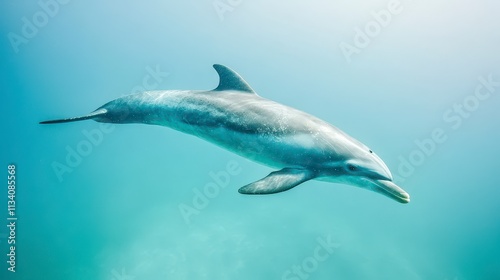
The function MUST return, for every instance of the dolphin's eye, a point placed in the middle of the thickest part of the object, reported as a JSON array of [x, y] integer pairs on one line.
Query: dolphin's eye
[[371, 152], [351, 167]]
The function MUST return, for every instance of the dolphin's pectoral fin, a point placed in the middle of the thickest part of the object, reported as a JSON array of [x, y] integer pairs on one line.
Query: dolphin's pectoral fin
[[278, 181], [230, 80]]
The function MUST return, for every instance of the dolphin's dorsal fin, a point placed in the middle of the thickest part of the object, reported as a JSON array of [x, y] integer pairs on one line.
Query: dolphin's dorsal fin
[[230, 80], [278, 181]]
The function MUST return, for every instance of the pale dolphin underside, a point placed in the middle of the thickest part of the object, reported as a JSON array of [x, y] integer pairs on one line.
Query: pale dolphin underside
[[234, 117]]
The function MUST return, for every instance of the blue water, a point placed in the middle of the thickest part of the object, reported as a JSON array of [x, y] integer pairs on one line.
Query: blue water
[[406, 87]]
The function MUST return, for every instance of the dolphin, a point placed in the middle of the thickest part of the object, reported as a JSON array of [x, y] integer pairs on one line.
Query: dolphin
[[233, 116]]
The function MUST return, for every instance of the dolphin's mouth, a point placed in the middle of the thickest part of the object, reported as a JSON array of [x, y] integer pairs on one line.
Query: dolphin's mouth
[[388, 188]]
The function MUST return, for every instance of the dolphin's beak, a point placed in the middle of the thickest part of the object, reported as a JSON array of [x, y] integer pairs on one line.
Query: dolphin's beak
[[388, 188]]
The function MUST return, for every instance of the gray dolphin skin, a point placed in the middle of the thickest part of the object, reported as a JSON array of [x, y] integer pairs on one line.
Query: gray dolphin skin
[[234, 117]]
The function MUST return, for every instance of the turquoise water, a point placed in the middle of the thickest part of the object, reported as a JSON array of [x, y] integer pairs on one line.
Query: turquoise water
[[416, 81]]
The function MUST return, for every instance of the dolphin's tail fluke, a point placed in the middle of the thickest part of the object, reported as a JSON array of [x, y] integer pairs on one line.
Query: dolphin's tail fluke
[[92, 115]]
